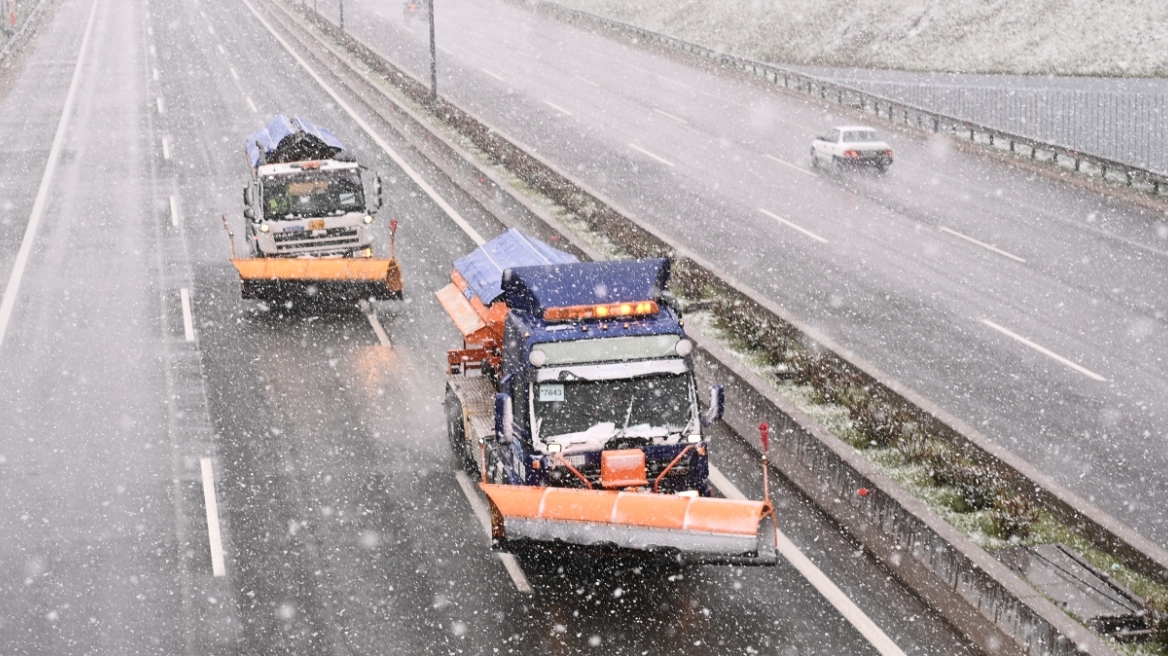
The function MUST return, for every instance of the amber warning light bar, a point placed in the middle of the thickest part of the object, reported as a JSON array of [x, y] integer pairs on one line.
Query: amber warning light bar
[[604, 311]]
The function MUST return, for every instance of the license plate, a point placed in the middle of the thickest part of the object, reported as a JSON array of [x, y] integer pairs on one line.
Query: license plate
[[576, 461], [316, 224]]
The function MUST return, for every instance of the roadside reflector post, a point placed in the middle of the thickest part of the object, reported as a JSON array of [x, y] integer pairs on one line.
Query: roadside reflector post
[[393, 239], [764, 433], [230, 235]]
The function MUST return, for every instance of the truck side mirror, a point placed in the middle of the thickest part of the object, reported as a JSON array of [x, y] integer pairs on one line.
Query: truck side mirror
[[248, 213], [717, 405], [246, 197], [376, 191], [504, 418]]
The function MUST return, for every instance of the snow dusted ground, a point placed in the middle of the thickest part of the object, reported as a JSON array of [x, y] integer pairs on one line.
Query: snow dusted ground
[[1050, 37]]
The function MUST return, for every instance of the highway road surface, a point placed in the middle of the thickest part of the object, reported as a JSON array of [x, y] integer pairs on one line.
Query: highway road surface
[[1030, 308], [184, 472]]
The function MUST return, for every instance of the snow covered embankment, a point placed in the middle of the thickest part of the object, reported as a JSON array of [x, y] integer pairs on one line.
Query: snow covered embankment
[[1049, 37]]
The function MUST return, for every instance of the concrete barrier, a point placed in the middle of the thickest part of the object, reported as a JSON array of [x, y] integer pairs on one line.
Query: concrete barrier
[[986, 601]]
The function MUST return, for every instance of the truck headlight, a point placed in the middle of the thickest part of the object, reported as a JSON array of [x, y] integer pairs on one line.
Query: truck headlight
[[694, 438], [368, 219], [684, 347], [537, 358], [554, 448], [264, 227]]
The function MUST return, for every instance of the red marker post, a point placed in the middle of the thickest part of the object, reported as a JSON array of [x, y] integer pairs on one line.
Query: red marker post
[[393, 239], [764, 434]]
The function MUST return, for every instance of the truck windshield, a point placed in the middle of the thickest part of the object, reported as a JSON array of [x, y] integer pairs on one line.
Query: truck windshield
[[312, 194], [648, 406]]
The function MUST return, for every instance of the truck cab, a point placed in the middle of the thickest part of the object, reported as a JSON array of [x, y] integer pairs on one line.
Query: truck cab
[[307, 195]]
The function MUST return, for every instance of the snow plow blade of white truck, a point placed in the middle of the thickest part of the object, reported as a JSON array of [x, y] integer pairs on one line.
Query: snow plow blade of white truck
[[341, 278], [691, 529]]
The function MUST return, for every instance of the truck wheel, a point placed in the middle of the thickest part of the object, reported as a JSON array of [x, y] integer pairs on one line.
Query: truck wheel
[[456, 433], [495, 473], [814, 159]]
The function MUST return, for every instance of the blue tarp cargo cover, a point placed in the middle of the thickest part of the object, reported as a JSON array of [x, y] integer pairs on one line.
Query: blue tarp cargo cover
[[483, 268], [295, 139], [535, 289]]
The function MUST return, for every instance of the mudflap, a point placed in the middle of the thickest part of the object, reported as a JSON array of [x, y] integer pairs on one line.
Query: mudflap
[[680, 528], [280, 279]]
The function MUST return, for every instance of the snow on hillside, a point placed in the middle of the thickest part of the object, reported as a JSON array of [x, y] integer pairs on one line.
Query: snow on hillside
[[1061, 37]]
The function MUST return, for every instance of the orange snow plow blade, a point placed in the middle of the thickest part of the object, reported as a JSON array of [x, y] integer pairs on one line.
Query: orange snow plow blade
[[349, 278], [693, 528]]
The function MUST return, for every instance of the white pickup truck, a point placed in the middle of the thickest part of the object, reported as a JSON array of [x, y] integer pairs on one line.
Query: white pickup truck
[[851, 145]]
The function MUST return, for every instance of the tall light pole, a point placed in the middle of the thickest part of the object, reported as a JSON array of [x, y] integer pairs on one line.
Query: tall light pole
[[433, 56], [341, 23]]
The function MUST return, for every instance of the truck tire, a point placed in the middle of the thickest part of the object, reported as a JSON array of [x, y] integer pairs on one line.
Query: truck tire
[[814, 159], [456, 433], [495, 473]]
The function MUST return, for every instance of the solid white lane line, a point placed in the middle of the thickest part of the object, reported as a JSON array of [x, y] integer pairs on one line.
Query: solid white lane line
[[165, 148], [983, 245], [401, 163], [175, 219], [161, 109], [213, 535], [792, 225], [587, 81], [252, 105], [375, 323], [494, 75], [12, 287], [233, 73], [790, 165], [668, 115], [484, 516], [188, 322], [656, 157], [557, 108], [818, 580], [1045, 351]]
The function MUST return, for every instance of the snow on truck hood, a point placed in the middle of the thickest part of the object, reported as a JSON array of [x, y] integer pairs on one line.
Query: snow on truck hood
[[613, 371]]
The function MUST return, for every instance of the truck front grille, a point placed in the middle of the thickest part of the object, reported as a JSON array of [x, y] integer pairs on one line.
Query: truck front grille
[[333, 237]]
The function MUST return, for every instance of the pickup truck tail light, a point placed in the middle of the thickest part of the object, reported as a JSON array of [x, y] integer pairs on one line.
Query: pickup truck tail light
[[888, 152], [851, 153]]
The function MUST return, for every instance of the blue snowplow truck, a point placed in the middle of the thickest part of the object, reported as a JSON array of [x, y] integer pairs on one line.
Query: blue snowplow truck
[[574, 400]]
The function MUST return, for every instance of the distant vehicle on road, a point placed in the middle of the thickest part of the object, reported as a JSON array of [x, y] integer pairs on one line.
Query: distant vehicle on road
[[415, 9], [851, 145]]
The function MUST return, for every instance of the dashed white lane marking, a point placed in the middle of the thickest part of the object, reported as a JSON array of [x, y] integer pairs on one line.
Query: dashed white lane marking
[[161, 107], [211, 30], [445, 50], [184, 295], [152, 51], [983, 244], [175, 219], [12, 287], [494, 75], [656, 157], [793, 226], [587, 81], [233, 73], [557, 108], [213, 536], [149, 31], [156, 75], [401, 163], [165, 148], [222, 50], [671, 116], [252, 105], [1045, 351], [790, 165], [484, 516], [818, 580], [375, 323]]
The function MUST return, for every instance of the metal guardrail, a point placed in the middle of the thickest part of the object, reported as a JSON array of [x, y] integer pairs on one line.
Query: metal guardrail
[[899, 113], [983, 598]]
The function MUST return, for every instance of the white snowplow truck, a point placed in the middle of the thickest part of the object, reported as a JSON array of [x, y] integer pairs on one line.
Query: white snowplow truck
[[309, 221]]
